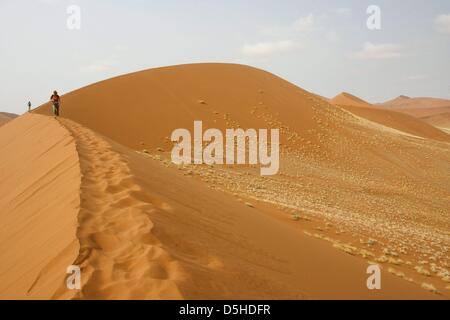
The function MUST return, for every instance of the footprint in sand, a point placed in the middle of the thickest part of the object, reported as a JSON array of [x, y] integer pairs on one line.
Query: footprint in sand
[[120, 258]]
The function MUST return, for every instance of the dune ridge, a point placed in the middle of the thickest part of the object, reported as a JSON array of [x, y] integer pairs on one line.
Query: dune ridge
[[347, 99], [119, 256]]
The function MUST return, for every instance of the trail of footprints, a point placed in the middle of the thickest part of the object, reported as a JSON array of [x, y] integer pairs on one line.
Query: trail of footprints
[[119, 257]]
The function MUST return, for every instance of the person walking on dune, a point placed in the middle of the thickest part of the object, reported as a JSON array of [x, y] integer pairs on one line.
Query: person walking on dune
[[55, 99]]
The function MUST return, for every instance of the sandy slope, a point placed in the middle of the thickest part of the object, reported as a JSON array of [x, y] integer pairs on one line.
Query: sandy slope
[[6, 117], [39, 187], [391, 118], [359, 190], [147, 231], [438, 117], [248, 251], [119, 256], [431, 110]]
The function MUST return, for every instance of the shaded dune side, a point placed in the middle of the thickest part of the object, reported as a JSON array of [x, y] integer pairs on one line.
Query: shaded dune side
[[119, 256], [439, 117], [39, 187], [6, 117], [431, 110]]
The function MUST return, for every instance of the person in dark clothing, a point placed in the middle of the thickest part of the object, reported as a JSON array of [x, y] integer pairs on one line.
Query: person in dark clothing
[[56, 100]]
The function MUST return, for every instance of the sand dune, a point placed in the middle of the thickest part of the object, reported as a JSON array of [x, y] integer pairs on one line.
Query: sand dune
[[438, 117], [347, 99], [40, 183], [393, 119], [147, 231], [6, 117], [247, 252], [431, 110], [404, 102], [159, 100], [119, 256], [353, 189]]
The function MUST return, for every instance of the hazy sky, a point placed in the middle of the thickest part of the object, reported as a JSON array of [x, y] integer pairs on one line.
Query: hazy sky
[[322, 46]]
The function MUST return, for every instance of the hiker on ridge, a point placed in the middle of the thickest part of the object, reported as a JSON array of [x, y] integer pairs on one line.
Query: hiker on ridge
[[55, 99]]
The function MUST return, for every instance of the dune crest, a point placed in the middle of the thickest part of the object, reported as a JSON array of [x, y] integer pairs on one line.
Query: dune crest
[[347, 99], [119, 256]]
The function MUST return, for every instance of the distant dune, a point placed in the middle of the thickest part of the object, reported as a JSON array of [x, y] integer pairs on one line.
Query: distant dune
[[404, 102], [96, 188], [431, 110], [6, 117], [347, 99], [389, 118]]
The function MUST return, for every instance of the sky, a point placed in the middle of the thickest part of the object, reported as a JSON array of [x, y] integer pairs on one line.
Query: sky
[[325, 47]]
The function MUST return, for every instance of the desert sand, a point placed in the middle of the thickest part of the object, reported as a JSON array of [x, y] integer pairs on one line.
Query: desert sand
[[431, 110], [6, 117], [40, 183], [355, 188], [390, 118]]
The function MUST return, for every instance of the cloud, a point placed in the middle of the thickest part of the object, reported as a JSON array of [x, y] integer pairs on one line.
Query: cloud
[[304, 24], [268, 48], [278, 34], [442, 23], [344, 11], [378, 51], [100, 65], [300, 26]]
